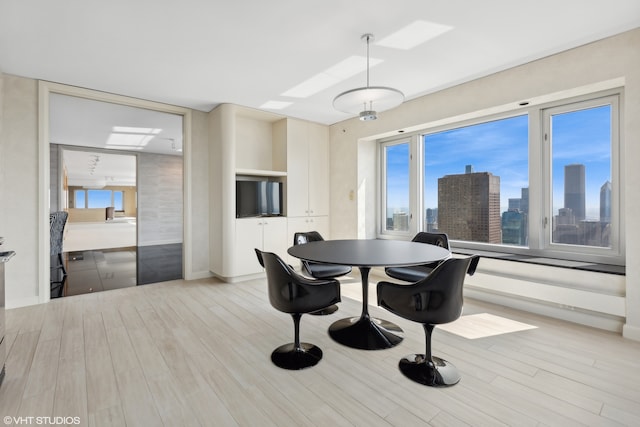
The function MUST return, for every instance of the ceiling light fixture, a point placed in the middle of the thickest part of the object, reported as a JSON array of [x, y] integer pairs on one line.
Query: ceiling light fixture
[[361, 100]]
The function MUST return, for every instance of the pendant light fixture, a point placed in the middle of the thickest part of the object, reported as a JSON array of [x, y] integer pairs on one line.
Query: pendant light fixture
[[367, 101]]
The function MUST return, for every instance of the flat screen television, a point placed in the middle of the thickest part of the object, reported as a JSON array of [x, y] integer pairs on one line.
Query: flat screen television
[[258, 198]]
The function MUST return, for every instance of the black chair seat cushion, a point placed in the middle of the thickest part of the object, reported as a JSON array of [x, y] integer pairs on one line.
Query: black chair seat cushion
[[326, 271], [409, 274]]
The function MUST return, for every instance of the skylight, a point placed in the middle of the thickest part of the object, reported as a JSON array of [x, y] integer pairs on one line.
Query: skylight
[[331, 76], [131, 138], [275, 105], [414, 34]]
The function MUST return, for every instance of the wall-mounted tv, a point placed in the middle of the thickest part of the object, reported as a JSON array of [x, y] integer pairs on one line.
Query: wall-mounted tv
[[258, 198]]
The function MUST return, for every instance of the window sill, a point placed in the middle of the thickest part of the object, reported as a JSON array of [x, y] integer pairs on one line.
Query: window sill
[[552, 262]]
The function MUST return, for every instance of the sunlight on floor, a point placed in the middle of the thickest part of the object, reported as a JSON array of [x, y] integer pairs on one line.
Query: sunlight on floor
[[483, 325]]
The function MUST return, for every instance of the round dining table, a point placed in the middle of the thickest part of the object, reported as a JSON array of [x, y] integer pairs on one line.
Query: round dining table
[[365, 332]]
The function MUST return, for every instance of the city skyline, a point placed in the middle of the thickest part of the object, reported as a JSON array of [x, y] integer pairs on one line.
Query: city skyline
[[579, 137]]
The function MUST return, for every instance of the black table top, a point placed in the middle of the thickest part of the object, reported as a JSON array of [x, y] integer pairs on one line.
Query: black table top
[[369, 253]]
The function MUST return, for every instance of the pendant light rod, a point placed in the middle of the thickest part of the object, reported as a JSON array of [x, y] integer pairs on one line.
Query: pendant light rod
[[368, 37]]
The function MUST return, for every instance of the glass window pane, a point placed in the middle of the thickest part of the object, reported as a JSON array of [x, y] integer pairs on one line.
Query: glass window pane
[[99, 198], [79, 199], [476, 182], [397, 165], [581, 175], [118, 200]]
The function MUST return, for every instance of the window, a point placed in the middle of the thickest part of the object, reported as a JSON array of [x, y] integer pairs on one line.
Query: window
[[80, 199], [476, 181], [475, 178], [88, 199], [397, 186], [579, 137]]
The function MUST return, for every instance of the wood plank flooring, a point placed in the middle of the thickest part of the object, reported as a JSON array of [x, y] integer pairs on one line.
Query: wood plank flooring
[[197, 354]]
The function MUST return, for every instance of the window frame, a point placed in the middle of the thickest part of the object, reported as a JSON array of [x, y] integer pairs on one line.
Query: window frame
[[413, 188], [563, 249], [540, 183]]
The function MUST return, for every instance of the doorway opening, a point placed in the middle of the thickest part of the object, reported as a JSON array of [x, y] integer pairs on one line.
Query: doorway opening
[[117, 171]]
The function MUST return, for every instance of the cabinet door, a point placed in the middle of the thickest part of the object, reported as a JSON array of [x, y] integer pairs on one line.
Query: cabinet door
[[249, 235], [275, 236], [297, 168], [318, 170], [319, 224]]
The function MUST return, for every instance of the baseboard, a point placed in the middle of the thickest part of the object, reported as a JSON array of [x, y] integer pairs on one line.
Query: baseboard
[[631, 332], [22, 302], [197, 275], [545, 308]]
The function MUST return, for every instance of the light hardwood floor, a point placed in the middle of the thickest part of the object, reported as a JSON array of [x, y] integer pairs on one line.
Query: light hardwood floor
[[197, 353]]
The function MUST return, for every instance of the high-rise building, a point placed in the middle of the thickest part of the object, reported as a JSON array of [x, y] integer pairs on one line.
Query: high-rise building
[[514, 204], [605, 202], [574, 190], [469, 206], [432, 219], [400, 221], [524, 200], [514, 227]]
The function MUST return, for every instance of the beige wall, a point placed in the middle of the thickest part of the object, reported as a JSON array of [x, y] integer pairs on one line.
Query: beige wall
[[19, 212], [353, 170], [199, 213]]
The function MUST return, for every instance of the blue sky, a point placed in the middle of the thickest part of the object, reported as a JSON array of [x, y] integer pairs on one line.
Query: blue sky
[[582, 137], [501, 147], [99, 199]]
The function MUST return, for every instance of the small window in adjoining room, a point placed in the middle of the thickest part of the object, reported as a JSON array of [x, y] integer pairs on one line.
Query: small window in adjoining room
[[79, 199], [118, 201], [476, 182], [99, 198]]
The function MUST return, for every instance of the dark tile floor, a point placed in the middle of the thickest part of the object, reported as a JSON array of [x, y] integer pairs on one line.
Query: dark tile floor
[[106, 269], [100, 270]]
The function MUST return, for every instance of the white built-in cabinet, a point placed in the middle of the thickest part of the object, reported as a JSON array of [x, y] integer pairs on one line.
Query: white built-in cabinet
[[268, 234], [307, 169], [307, 179], [246, 144]]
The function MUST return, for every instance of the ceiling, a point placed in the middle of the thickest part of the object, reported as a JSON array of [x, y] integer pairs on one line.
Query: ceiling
[[86, 123], [200, 53], [99, 169]]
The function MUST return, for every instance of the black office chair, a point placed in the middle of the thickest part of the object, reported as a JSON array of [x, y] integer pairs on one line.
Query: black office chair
[[295, 294], [419, 272], [58, 273], [434, 300], [318, 270]]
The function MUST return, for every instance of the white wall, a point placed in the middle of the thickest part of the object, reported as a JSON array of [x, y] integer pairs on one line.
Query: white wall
[[616, 58]]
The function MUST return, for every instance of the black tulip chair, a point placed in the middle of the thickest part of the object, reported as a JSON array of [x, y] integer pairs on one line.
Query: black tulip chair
[[318, 270], [419, 272], [434, 300], [290, 292]]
